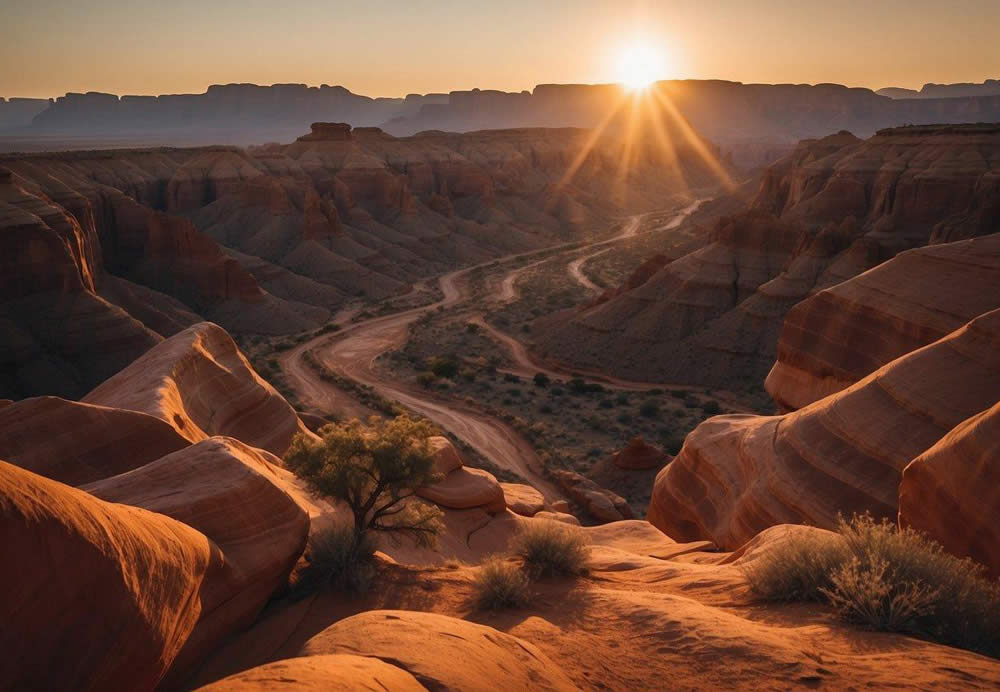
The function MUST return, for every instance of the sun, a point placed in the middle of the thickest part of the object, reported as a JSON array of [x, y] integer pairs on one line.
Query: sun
[[639, 64]]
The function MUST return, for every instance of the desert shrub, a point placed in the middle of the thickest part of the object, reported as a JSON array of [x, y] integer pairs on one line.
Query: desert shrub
[[545, 408], [468, 374], [711, 407], [624, 418], [541, 379], [886, 578], [375, 471], [678, 393], [471, 327], [500, 584], [622, 398], [335, 560], [606, 403], [691, 401], [514, 391], [426, 379], [649, 408], [551, 548], [556, 391], [510, 377], [444, 366]]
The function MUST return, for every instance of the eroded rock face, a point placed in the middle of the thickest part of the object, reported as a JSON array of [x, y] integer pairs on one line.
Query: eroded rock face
[[199, 383], [834, 338], [76, 443], [441, 652], [739, 474], [951, 492], [115, 592], [523, 499], [233, 495], [829, 211]]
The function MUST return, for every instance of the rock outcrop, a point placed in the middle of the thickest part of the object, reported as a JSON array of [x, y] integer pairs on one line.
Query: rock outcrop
[[739, 474], [639, 454], [461, 487], [600, 503], [523, 499], [330, 673], [115, 591], [77, 443], [200, 384], [233, 495], [951, 492], [441, 652], [841, 334]]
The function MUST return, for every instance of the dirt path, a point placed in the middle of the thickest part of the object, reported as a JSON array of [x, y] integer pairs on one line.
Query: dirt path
[[352, 353]]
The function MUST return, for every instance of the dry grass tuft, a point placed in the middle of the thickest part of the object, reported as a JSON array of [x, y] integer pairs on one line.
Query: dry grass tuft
[[551, 548], [501, 584]]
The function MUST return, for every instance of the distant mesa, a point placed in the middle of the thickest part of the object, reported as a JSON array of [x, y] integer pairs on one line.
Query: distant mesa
[[328, 132]]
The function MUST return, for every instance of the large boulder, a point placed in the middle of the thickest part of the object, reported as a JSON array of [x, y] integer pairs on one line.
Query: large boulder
[[200, 383], [951, 492], [523, 499], [639, 454], [97, 596], [739, 474], [235, 496], [442, 653], [77, 443], [600, 503], [461, 487]]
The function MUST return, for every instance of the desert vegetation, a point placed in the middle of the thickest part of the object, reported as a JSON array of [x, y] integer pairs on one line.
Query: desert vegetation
[[500, 583], [885, 578], [375, 470]]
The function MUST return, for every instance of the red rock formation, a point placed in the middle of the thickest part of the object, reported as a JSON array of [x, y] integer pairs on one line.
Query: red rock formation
[[600, 503], [441, 652], [199, 383], [76, 443], [116, 587], [233, 495], [951, 492], [523, 499], [843, 333], [739, 474], [639, 454], [461, 487], [330, 673]]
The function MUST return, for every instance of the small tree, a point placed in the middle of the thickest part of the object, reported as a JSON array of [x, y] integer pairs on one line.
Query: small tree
[[376, 471]]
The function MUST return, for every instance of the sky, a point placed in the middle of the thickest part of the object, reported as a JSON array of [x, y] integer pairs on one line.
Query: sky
[[386, 48]]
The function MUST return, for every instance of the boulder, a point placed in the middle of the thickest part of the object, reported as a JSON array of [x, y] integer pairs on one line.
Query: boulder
[[521, 499], [442, 653], [639, 454], [951, 492], [600, 503], [465, 488], [446, 457], [112, 591], [200, 383], [234, 495]]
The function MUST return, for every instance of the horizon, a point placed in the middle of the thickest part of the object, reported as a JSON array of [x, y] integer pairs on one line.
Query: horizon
[[374, 51]]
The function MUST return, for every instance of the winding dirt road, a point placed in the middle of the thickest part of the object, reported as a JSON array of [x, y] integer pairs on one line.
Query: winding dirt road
[[352, 352]]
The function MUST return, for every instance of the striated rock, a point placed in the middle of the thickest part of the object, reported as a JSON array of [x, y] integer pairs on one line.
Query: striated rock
[[76, 443], [442, 653], [201, 384], [234, 495], [116, 587], [639, 454], [739, 474], [951, 491], [521, 499], [328, 132], [834, 338], [600, 503], [329, 673]]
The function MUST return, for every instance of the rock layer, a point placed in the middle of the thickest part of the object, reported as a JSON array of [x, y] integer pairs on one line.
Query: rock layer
[[739, 474], [199, 383], [951, 492]]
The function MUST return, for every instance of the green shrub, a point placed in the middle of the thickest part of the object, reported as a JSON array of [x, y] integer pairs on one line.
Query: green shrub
[[551, 548], [624, 418], [426, 379], [335, 560], [510, 377], [886, 578], [501, 584], [606, 403], [541, 379], [444, 366], [711, 407], [545, 408], [622, 398]]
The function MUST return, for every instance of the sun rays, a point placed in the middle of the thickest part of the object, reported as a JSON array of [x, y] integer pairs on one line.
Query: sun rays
[[646, 123]]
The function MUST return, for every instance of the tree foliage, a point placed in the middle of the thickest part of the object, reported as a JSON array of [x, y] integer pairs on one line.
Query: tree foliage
[[376, 470]]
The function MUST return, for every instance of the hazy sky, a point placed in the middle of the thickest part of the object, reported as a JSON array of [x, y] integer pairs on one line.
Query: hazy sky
[[384, 48]]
